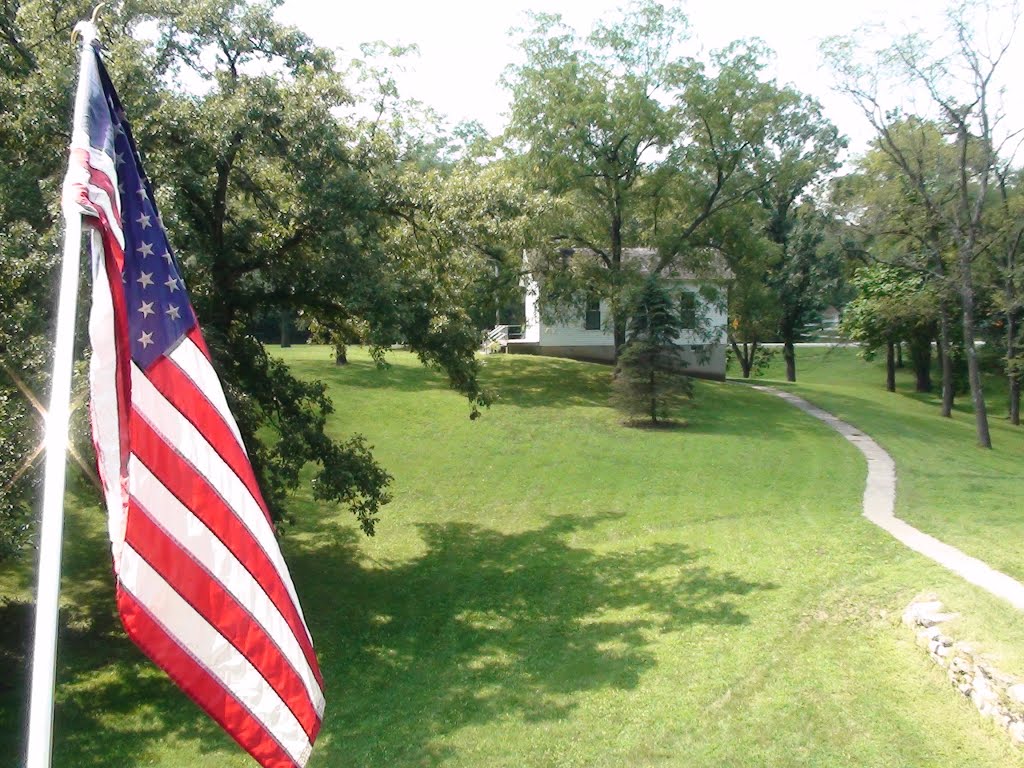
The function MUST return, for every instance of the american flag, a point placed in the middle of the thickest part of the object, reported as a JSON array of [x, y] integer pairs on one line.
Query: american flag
[[202, 587]]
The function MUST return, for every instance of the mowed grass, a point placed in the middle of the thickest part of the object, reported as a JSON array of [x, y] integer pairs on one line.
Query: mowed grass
[[549, 588], [967, 496]]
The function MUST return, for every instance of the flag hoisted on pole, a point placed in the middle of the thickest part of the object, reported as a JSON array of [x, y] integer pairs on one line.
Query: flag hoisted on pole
[[202, 587]]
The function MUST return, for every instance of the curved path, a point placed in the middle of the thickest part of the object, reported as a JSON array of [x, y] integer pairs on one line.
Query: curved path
[[880, 502]]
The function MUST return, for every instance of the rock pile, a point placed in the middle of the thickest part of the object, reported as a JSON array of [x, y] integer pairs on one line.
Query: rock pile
[[996, 695]]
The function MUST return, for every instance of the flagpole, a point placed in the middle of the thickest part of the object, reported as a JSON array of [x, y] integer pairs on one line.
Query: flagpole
[[44, 652]]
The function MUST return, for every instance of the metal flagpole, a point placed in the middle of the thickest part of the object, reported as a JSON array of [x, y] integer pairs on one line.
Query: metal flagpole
[[44, 652], [51, 529]]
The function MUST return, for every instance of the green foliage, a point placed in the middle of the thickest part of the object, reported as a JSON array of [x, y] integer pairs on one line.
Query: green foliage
[[810, 274], [644, 146], [892, 305], [758, 359], [648, 381], [281, 202], [36, 67], [946, 153], [588, 118]]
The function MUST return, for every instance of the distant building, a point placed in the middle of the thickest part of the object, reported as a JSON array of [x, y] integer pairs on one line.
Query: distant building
[[585, 332]]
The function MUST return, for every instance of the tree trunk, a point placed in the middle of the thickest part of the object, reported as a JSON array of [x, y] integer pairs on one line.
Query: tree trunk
[[973, 371], [654, 400], [921, 356], [341, 355], [285, 337], [1013, 305], [947, 362], [745, 356], [618, 334], [899, 354], [1012, 370], [618, 322], [1015, 399], [789, 353], [890, 366]]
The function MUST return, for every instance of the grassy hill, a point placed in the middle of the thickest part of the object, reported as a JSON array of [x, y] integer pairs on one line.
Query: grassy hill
[[551, 589], [970, 497]]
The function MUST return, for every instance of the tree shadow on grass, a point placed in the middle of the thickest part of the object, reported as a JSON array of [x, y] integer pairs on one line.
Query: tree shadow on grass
[[366, 374], [733, 408], [485, 625], [517, 380], [481, 625], [111, 703], [525, 381]]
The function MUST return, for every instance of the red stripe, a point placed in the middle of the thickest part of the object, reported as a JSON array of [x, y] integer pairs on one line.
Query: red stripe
[[197, 338], [174, 384], [113, 261], [205, 592], [200, 686], [195, 493], [98, 179]]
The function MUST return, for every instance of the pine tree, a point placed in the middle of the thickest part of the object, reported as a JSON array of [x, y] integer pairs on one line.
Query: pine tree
[[649, 383]]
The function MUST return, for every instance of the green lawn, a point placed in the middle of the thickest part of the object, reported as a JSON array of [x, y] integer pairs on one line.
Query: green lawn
[[964, 495], [551, 589]]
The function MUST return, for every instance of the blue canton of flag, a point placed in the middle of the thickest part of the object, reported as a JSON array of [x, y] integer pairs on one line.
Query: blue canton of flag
[[159, 312]]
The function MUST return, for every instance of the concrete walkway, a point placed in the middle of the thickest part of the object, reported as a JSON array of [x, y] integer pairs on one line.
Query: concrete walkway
[[880, 502]]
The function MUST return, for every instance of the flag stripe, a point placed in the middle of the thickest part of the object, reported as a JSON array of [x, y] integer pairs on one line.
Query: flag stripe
[[195, 364], [103, 196], [208, 597], [193, 446], [105, 400], [202, 586], [93, 187], [193, 492], [193, 539], [182, 643], [181, 393]]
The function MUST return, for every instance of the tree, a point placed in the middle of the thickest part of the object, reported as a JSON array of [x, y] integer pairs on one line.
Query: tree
[[588, 118], [801, 149], [276, 204], [647, 379], [640, 146], [804, 279], [889, 226], [1008, 293], [893, 305], [753, 305], [959, 82]]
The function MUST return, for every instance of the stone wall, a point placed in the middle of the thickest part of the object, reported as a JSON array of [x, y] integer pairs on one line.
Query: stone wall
[[995, 694]]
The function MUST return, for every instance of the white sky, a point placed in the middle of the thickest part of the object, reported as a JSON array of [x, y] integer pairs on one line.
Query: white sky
[[464, 44]]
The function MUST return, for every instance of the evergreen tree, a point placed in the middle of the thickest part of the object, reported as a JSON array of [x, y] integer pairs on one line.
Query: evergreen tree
[[649, 383]]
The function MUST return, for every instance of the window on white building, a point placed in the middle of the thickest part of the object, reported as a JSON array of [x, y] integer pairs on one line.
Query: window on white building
[[592, 314]]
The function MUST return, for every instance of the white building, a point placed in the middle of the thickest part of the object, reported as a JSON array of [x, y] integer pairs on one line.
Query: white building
[[585, 333]]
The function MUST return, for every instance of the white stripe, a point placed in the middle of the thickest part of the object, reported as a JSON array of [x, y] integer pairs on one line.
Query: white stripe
[[193, 447], [204, 644], [196, 539], [103, 164], [106, 432], [79, 176], [193, 363]]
